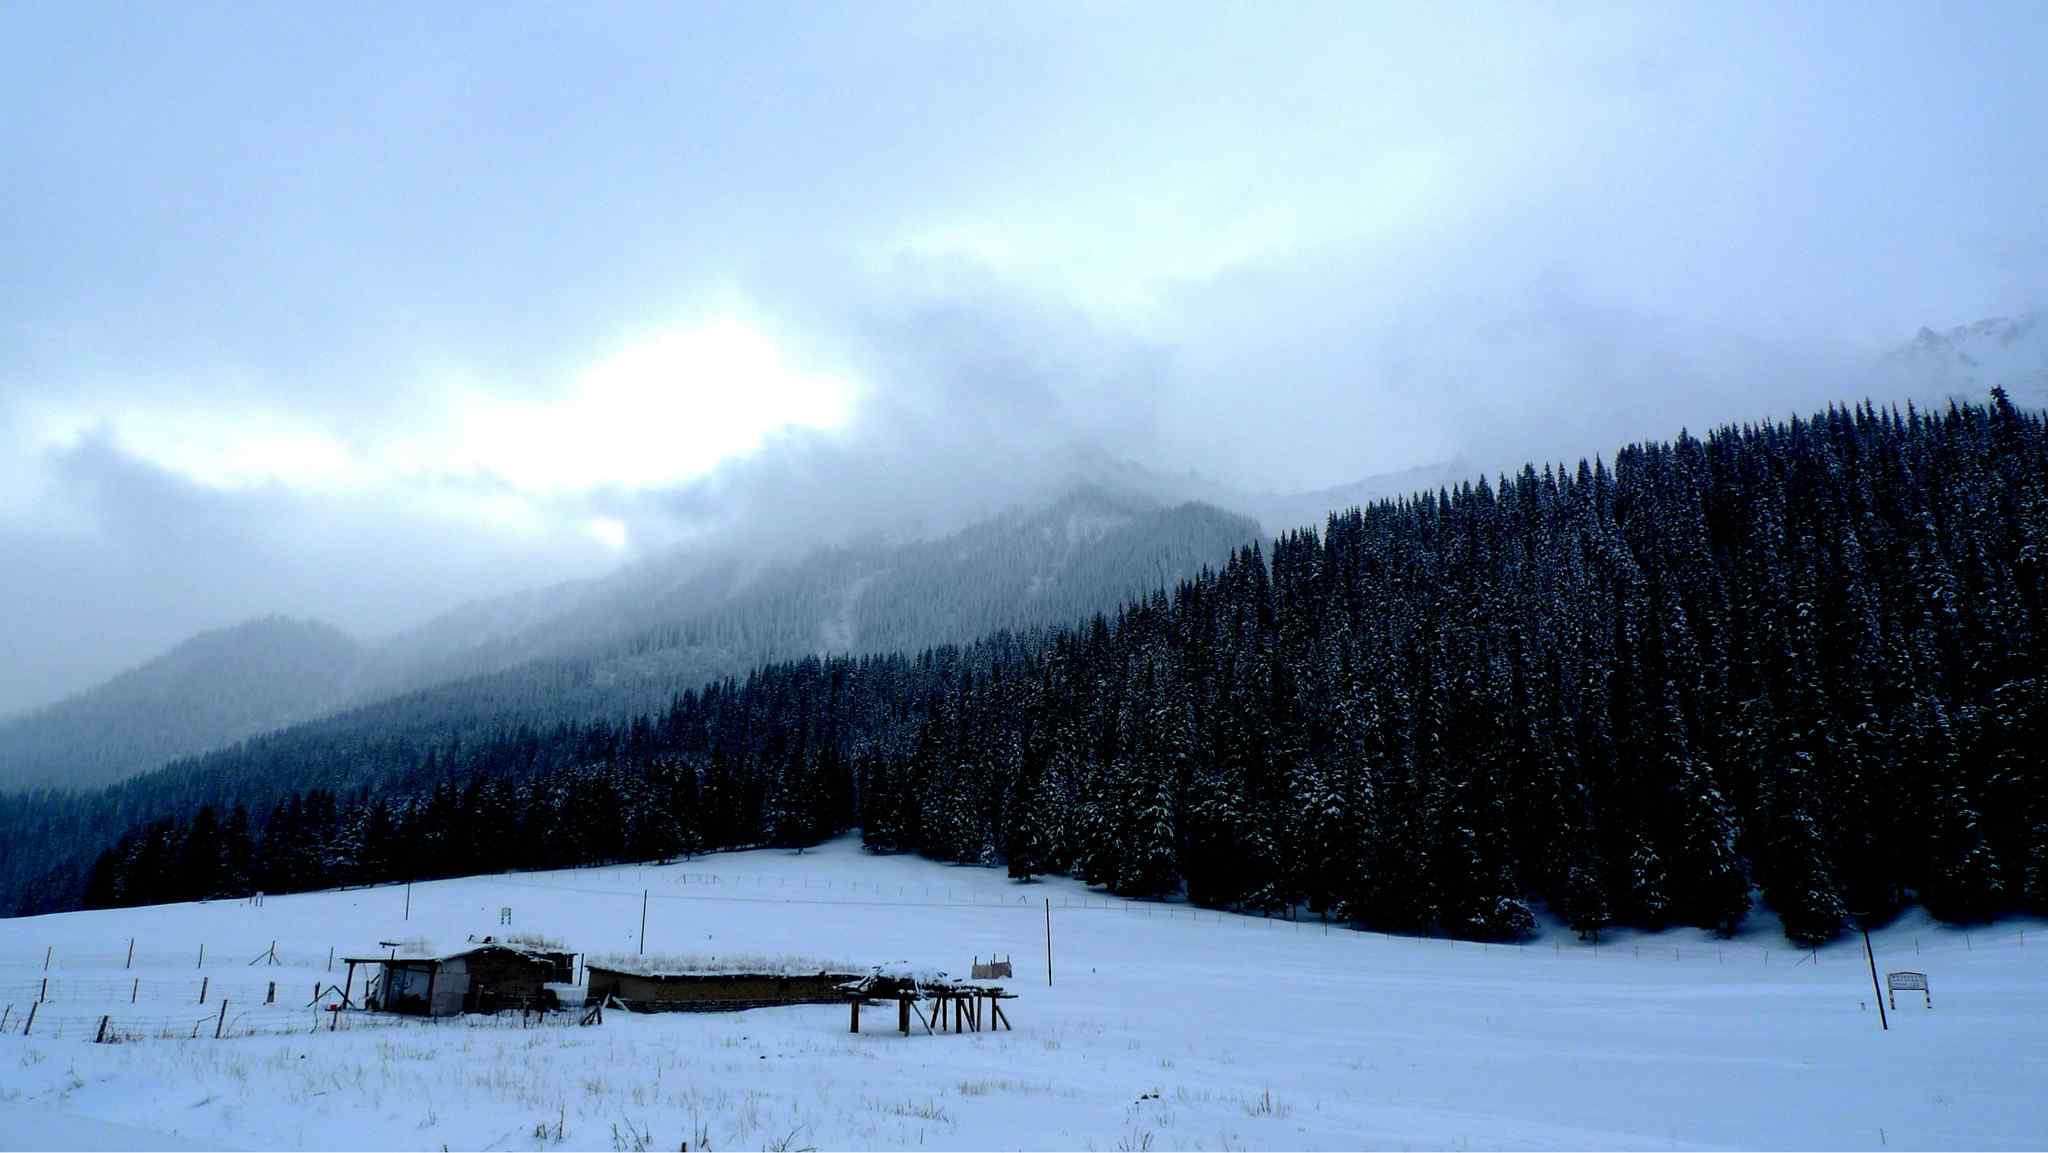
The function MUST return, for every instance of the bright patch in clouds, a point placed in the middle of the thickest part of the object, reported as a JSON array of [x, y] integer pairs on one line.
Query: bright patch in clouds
[[609, 531], [662, 411]]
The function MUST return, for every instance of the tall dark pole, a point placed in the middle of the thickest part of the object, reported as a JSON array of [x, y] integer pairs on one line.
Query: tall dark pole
[[408, 900], [1875, 992], [642, 946], [1048, 942]]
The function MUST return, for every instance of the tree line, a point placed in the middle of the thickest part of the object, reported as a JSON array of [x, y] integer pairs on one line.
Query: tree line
[[1794, 661]]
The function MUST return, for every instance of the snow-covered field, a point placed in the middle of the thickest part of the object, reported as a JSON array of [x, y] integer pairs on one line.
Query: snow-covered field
[[1165, 1028]]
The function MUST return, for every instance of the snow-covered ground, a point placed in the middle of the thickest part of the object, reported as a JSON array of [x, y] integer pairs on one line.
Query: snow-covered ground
[[1164, 1028]]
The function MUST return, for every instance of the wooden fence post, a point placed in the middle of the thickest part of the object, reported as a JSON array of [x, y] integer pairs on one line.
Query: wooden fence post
[[130, 964], [45, 994], [223, 1019], [103, 1032], [202, 989], [271, 997], [202, 956], [31, 1018], [47, 949], [4, 1014], [134, 987]]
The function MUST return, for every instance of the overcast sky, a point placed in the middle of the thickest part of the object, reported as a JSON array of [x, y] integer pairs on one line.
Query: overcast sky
[[357, 313]]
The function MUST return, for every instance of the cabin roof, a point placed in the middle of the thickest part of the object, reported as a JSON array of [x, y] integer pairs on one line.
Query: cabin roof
[[537, 956], [714, 965]]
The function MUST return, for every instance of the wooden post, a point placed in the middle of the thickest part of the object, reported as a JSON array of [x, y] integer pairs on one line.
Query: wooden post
[[47, 949], [270, 998], [433, 973], [903, 1015], [202, 989], [31, 1018], [45, 994], [222, 1020], [996, 1014], [202, 956], [1048, 942], [408, 900], [330, 958], [102, 1033], [856, 1016], [131, 954], [4, 1014], [1883, 1024], [642, 946], [134, 987], [347, 983]]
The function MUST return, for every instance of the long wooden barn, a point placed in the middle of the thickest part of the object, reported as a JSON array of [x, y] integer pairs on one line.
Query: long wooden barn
[[652, 988]]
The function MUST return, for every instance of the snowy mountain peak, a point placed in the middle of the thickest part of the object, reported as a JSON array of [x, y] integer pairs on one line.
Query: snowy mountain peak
[[1967, 361]]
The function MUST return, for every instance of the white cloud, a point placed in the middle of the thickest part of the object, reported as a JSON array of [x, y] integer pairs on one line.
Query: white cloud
[[658, 412]]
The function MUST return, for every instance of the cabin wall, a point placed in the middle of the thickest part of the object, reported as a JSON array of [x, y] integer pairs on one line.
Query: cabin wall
[[495, 980], [450, 986], [714, 993]]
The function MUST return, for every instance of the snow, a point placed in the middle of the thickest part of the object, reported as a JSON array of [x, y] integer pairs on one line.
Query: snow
[[1166, 1025], [719, 965]]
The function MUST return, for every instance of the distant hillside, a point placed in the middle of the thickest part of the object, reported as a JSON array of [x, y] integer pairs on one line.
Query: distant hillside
[[627, 643], [624, 643], [212, 690]]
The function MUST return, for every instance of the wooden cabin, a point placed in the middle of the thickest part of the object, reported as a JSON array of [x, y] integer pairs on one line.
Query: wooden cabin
[[480, 978], [648, 989]]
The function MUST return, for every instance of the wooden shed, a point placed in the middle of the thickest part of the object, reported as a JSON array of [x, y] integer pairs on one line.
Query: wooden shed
[[650, 988], [481, 978]]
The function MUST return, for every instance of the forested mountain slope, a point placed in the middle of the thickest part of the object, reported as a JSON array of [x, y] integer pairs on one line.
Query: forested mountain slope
[[1799, 657], [655, 628], [212, 690], [1084, 553], [626, 643]]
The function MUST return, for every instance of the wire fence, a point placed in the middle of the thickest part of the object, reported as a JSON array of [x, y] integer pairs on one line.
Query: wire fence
[[197, 958], [137, 990], [228, 1020]]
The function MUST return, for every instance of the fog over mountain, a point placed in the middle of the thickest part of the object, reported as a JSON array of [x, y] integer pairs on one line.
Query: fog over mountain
[[624, 644], [364, 316]]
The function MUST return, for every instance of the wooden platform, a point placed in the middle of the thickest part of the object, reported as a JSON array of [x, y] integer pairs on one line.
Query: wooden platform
[[963, 1008]]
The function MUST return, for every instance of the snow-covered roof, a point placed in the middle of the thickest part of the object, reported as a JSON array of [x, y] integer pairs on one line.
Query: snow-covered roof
[[720, 965], [423, 952]]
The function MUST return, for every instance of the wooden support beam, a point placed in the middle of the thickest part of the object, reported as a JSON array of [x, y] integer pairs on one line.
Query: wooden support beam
[[856, 1016], [903, 1015], [996, 1014]]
